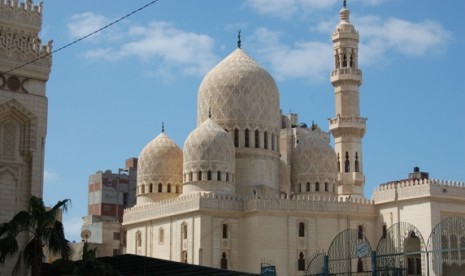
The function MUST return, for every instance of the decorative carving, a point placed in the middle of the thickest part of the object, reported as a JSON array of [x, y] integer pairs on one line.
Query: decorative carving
[[9, 140], [13, 83]]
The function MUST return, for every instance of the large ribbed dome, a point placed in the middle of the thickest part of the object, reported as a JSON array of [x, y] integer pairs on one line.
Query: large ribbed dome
[[240, 94], [160, 163], [314, 164], [208, 147]]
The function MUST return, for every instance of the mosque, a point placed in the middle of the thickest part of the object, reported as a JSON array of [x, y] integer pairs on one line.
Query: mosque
[[253, 187]]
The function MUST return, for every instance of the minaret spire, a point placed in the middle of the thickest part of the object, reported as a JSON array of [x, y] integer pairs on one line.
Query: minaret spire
[[344, 4], [163, 127], [239, 39], [347, 127]]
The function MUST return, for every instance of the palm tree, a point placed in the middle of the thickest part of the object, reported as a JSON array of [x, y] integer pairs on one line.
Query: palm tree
[[33, 229]]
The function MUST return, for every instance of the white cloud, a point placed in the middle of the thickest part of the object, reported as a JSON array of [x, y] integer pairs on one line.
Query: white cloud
[[50, 177], [287, 8], [85, 23], [72, 227], [171, 48], [310, 59]]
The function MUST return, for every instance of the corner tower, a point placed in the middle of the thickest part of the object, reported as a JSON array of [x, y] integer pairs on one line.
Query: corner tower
[[347, 127], [24, 70]]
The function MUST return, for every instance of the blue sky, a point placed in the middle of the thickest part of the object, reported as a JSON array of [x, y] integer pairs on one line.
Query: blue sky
[[109, 94]]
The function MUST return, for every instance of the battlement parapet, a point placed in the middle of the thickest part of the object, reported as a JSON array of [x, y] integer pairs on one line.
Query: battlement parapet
[[416, 188], [216, 202], [24, 14]]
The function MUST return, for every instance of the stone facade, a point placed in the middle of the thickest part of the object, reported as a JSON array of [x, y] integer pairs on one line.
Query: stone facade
[[24, 70]]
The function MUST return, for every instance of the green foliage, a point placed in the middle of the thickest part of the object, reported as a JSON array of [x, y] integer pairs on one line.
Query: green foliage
[[30, 231]]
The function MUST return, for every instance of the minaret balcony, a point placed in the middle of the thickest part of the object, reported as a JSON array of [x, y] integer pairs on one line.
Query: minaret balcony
[[347, 122], [351, 74], [352, 178]]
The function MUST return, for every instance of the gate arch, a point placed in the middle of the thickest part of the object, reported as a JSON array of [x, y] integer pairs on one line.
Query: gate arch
[[401, 248], [446, 247], [316, 264], [349, 252]]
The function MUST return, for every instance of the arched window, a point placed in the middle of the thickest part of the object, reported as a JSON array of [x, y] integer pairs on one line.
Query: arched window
[[218, 176], [301, 229], [257, 139], [360, 265], [150, 188], [224, 261], [161, 235], [265, 140], [351, 62], [301, 262], [272, 141], [347, 163], [308, 186], [184, 231], [317, 186], [246, 137], [142, 189], [177, 189], [225, 231], [236, 137], [199, 176], [138, 239], [209, 175], [191, 176], [299, 187], [338, 163], [360, 232], [344, 61], [326, 187], [160, 188], [227, 176], [356, 163], [168, 188]]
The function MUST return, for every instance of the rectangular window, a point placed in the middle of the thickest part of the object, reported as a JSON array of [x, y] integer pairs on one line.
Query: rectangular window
[[225, 231], [116, 236]]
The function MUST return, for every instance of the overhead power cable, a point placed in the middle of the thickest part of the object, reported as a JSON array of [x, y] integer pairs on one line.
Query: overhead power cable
[[84, 37]]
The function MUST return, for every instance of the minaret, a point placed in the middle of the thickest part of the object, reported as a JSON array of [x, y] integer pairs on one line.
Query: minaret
[[347, 126]]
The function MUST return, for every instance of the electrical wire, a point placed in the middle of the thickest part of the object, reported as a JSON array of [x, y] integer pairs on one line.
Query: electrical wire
[[83, 37]]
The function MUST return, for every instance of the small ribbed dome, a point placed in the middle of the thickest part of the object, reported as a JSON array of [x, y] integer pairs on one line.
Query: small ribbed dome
[[314, 162], [241, 94], [160, 162], [209, 158], [208, 147]]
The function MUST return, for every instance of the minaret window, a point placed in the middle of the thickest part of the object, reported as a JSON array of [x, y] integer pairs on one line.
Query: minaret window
[[301, 229], [344, 61], [351, 61], [246, 137], [177, 189], [191, 176], [356, 163], [209, 175], [308, 186], [236, 138], [150, 188], [317, 186], [347, 163], [160, 188], [218, 176], [224, 261], [138, 239], [184, 231], [272, 141], [384, 233], [168, 188], [338, 163], [225, 231], [257, 139], [326, 187], [265, 139], [227, 177], [300, 188], [199, 176]]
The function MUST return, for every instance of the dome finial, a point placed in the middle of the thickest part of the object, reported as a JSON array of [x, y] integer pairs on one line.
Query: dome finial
[[344, 4], [163, 127], [239, 39]]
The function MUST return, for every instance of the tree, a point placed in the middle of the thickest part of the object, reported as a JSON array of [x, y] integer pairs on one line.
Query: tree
[[32, 230]]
